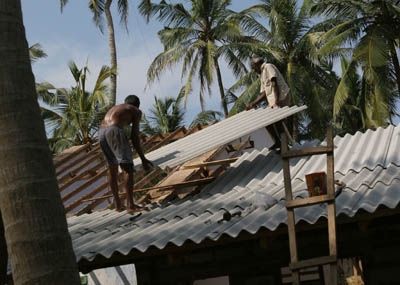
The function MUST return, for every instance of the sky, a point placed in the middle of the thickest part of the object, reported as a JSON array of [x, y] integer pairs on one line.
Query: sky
[[72, 35]]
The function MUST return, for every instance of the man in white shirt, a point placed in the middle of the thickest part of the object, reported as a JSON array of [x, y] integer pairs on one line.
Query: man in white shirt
[[273, 87]]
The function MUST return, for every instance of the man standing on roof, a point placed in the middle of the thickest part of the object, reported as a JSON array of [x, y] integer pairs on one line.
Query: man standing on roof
[[117, 150], [274, 90]]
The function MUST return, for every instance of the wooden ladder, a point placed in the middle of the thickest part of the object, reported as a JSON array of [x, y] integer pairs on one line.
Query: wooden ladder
[[295, 264]]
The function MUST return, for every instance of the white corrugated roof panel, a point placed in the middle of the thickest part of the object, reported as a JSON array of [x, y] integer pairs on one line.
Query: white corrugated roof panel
[[369, 164], [218, 134]]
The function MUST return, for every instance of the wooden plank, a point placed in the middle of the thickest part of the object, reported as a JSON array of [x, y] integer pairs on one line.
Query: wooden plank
[[210, 163], [156, 172], [161, 188], [78, 165], [85, 185], [313, 262], [185, 184], [290, 212], [297, 203], [74, 165], [307, 151], [67, 156], [287, 132], [80, 176], [331, 209]]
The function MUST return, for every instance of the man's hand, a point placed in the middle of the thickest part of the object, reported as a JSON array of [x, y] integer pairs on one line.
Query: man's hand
[[147, 164]]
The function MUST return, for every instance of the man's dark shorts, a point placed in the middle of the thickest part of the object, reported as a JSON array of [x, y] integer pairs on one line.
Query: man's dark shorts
[[116, 148]]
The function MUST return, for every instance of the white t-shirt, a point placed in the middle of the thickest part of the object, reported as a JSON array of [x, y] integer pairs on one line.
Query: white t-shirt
[[269, 71]]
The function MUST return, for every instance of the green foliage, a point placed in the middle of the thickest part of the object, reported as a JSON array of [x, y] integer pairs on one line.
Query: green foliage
[[166, 115], [367, 89], [206, 118], [97, 7], [77, 113], [197, 38], [283, 35], [36, 52]]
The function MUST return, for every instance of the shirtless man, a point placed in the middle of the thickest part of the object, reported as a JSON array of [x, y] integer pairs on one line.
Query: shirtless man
[[116, 148]]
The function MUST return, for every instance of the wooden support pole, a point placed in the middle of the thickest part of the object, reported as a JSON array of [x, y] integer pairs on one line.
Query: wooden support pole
[[331, 208], [290, 211]]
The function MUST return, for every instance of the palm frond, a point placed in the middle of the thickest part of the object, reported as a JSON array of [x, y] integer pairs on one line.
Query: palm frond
[[206, 118], [36, 52]]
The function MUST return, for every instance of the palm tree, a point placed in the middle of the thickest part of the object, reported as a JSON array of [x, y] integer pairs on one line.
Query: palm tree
[[34, 220], [370, 28], [167, 115], [284, 35], [36, 52], [198, 37], [101, 9], [364, 108], [206, 117], [78, 112]]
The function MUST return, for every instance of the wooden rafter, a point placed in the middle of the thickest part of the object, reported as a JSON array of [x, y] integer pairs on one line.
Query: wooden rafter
[[190, 183], [211, 163]]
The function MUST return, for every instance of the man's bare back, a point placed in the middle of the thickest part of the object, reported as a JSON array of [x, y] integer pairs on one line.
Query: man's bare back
[[117, 150], [122, 115]]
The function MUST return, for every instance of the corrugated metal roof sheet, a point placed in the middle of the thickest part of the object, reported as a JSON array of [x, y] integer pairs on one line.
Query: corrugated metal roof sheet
[[252, 191], [218, 134]]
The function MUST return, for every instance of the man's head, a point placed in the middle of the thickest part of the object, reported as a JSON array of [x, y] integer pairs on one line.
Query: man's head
[[256, 63], [133, 100]]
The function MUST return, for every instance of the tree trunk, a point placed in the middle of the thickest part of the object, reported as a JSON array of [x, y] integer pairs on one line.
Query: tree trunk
[[221, 88], [3, 254], [396, 65], [113, 52], [36, 231]]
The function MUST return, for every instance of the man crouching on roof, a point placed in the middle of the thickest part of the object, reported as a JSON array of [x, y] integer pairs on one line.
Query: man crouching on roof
[[116, 148]]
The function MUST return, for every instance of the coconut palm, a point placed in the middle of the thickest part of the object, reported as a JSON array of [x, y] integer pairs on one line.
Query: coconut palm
[[167, 115], [206, 118], [198, 37], [371, 29], [101, 9], [36, 52], [80, 112], [34, 220], [285, 36], [364, 108]]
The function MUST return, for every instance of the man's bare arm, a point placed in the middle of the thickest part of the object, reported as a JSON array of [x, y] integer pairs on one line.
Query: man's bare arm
[[257, 101], [147, 164]]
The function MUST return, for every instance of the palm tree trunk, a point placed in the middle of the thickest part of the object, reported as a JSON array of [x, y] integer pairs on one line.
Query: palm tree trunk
[[36, 231], [396, 65], [3, 254], [113, 51], [221, 88]]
